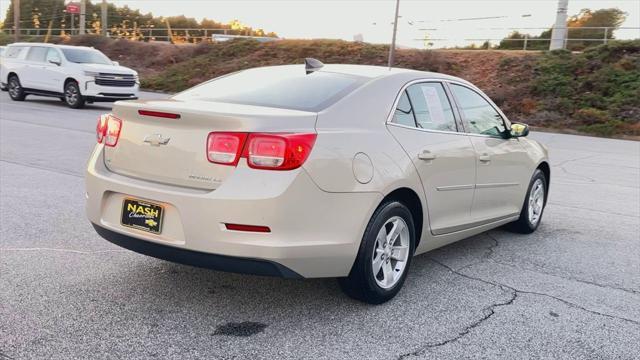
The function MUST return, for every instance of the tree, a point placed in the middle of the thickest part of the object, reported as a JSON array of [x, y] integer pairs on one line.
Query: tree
[[579, 28]]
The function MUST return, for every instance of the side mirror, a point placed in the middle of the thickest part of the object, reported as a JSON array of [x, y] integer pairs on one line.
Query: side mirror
[[54, 61], [519, 130], [116, 63]]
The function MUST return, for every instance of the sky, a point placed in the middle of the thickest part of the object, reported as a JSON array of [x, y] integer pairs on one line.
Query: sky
[[342, 19]]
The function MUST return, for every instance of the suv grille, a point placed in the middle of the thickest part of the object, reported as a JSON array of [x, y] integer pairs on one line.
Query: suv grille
[[119, 80]]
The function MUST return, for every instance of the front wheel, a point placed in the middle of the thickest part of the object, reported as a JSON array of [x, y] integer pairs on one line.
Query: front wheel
[[384, 256], [72, 95], [534, 203], [16, 92]]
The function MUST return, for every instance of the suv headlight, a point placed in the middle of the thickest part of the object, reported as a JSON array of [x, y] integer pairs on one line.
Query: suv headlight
[[91, 73]]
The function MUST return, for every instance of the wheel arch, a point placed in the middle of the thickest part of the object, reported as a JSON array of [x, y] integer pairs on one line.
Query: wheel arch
[[68, 80], [411, 200], [12, 73]]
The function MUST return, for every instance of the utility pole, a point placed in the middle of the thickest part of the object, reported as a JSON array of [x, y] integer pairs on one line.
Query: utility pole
[[103, 17], [16, 20], [559, 31], [83, 18], [392, 49]]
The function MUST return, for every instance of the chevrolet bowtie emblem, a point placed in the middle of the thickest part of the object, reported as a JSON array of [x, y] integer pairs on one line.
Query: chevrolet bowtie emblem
[[156, 140]]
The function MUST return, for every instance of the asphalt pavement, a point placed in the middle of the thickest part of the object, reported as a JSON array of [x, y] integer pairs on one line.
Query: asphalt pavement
[[570, 290]]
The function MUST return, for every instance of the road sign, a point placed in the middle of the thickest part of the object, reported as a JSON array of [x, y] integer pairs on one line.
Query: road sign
[[73, 8]]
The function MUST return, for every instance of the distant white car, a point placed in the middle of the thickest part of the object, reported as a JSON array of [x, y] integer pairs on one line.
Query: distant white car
[[75, 74], [313, 171]]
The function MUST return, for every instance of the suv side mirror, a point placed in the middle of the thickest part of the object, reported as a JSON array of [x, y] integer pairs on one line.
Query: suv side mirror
[[519, 130]]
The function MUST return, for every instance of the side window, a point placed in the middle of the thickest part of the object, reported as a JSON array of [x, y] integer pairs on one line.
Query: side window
[[404, 113], [37, 53], [53, 56], [431, 107], [13, 52], [478, 116]]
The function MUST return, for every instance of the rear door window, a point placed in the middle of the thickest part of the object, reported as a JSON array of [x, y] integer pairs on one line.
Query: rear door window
[[431, 107], [37, 53], [425, 106]]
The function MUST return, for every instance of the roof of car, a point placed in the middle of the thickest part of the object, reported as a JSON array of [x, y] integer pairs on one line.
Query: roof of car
[[373, 71]]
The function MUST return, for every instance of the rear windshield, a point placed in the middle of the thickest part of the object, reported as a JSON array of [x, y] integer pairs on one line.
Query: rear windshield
[[86, 56], [279, 87]]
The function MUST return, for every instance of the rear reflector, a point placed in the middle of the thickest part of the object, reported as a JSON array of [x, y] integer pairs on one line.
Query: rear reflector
[[250, 228], [108, 130], [159, 114], [225, 148]]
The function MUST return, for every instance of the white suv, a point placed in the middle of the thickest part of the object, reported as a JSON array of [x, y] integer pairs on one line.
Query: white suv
[[75, 74]]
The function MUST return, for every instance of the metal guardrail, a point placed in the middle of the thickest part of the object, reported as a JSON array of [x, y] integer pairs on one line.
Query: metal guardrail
[[138, 33], [526, 38], [200, 34]]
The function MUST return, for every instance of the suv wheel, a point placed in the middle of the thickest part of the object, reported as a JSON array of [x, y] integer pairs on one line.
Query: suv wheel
[[72, 95], [16, 92], [384, 256]]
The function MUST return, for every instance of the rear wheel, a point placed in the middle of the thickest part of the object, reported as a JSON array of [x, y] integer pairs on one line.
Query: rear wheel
[[534, 203], [384, 256], [16, 92], [72, 95]]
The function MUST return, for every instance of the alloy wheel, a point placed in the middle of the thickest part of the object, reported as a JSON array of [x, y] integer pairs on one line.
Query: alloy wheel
[[536, 201], [71, 95], [14, 87], [391, 252]]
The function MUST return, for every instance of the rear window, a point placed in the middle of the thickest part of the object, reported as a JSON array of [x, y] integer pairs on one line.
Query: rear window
[[279, 87]]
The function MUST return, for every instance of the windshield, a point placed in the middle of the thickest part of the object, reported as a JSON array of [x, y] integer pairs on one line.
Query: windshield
[[86, 56], [285, 87]]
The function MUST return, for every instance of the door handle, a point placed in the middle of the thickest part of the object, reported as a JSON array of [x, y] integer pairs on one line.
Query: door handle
[[484, 158], [426, 155]]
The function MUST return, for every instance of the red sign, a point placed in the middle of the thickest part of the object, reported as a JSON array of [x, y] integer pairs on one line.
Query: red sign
[[73, 8]]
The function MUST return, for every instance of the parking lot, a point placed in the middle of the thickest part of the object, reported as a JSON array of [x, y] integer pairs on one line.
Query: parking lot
[[570, 290]]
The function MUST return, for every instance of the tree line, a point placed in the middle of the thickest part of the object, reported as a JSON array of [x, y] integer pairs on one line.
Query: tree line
[[122, 22]]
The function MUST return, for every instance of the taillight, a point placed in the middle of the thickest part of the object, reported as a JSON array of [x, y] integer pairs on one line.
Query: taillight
[[101, 128], [225, 148], [278, 151], [108, 130], [270, 151]]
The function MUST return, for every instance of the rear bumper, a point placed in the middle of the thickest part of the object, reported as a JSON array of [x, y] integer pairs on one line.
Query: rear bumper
[[313, 233], [196, 258]]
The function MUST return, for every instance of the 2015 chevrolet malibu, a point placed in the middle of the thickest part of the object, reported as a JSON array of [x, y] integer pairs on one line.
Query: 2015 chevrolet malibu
[[313, 171]]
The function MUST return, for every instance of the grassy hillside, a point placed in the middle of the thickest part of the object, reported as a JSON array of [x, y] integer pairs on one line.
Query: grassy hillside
[[595, 92]]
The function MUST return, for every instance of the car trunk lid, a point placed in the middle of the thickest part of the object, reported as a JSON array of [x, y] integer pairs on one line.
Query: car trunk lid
[[165, 140]]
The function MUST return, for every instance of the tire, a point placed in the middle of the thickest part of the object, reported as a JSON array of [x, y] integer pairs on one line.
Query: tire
[[527, 224], [16, 92], [376, 287], [72, 96]]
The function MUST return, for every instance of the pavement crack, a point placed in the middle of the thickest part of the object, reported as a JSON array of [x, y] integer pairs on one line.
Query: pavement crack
[[489, 311], [588, 282]]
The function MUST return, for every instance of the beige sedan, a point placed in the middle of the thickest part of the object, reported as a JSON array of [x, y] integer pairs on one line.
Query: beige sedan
[[313, 170]]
